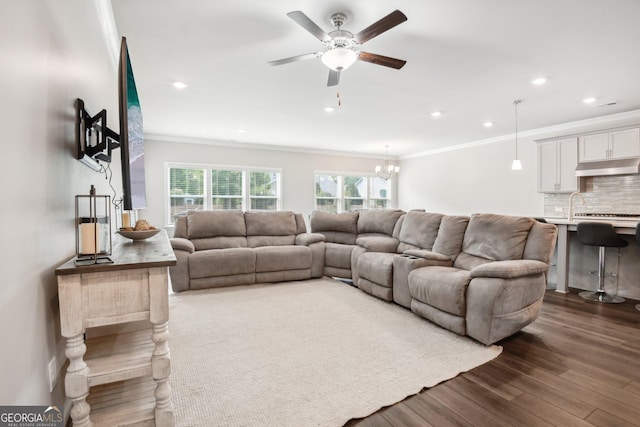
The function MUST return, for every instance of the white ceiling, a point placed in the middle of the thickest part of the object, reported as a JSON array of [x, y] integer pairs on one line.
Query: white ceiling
[[468, 58]]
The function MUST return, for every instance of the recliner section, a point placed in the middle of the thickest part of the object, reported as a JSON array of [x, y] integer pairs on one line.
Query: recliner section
[[482, 276]]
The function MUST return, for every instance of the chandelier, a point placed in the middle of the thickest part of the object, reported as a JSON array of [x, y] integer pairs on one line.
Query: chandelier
[[388, 170]]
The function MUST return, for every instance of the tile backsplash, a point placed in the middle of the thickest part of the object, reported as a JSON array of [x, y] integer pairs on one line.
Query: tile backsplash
[[603, 194]]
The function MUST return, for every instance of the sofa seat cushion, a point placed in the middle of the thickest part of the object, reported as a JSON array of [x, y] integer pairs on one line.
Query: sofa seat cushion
[[220, 242], [378, 243], [259, 241], [377, 267], [222, 262], [282, 258], [444, 288]]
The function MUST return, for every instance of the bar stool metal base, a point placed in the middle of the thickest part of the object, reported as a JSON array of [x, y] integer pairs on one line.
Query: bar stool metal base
[[602, 296]]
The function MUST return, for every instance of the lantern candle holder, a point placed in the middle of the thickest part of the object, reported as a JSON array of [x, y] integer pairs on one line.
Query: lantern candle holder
[[93, 229]]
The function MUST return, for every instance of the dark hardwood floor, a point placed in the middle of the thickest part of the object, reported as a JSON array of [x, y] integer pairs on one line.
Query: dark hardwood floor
[[578, 364]]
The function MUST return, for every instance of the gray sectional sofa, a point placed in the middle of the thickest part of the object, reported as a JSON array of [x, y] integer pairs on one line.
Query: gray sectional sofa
[[482, 275], [225, 248]]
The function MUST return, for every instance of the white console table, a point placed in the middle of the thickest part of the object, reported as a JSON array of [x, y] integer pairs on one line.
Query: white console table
[[121, 375]]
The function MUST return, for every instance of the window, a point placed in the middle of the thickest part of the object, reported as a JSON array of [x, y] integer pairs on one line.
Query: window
[[349, 192], [226, 189], [327, 197], [200, 187], [263, 190], [186, 190]]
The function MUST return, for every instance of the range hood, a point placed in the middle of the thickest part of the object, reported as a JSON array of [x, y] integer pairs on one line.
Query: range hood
[[609, 167]]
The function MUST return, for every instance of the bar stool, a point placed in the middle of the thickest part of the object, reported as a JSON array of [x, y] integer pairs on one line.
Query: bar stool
[[604, 236]]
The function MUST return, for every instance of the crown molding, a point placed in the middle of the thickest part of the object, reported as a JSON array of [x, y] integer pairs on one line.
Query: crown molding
[[621, 119], [253, 146]]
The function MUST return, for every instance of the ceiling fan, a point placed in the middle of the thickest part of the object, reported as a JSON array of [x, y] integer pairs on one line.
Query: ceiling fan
[[340, 45]]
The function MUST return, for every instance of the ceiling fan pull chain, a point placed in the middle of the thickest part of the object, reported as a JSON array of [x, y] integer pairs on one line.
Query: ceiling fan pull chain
[[339, 100]]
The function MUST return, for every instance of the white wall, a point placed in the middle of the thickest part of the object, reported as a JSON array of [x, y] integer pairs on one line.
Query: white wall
[[51, 52], [479, 178], [474, 179], [297, 170]]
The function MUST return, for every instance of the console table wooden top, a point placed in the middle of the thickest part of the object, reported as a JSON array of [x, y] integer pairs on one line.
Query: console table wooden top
[[155, 251]]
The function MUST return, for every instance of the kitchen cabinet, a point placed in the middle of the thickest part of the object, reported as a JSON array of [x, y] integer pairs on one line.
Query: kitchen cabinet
[[557, 161], [617, 144]]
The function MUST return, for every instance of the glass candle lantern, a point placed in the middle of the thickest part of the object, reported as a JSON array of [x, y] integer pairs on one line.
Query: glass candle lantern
[[93, 229]]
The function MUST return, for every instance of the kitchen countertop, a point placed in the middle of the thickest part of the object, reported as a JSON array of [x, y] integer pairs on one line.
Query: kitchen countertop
[[565, 228], [618, 224]]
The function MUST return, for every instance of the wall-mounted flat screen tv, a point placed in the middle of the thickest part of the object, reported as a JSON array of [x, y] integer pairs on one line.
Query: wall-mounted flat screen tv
[[131, 135]]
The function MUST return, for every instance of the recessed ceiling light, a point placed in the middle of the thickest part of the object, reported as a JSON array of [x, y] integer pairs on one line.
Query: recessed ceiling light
[[329, 109], [242, 131], [436, 113], [539, 81], [589, 100], [179, 85], [487, 124]]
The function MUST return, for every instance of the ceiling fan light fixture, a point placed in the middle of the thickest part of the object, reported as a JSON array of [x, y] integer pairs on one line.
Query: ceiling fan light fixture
[[339, 58]]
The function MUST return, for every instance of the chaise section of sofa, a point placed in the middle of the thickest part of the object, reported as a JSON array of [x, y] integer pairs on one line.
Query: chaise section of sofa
[[226, 248]]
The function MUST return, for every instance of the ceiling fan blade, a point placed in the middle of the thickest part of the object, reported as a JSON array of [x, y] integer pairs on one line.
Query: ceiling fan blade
[[381, 60], [388, 22], [306, 23], [334, 78], [295, 58]]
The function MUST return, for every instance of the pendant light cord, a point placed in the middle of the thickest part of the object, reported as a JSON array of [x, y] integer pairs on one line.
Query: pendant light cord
[[516, 102]]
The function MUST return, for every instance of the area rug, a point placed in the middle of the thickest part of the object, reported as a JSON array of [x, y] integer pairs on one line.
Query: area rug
[[310, 353]]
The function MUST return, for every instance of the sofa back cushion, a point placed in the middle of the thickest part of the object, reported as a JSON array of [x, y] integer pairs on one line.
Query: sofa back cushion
[[378, 221], [203, 224], [221, 229], [270, 228], [180, 227], [300, 224], [337, 228], [451, 235], [491, 237], [541, 242], [419, 230]]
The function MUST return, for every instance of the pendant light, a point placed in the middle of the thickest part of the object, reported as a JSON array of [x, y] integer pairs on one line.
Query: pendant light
[[516, 165]]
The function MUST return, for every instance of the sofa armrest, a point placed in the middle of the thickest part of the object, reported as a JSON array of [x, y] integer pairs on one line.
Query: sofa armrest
[[181, 244], [423, 253], [306, 239], [509, 269], [378, 243]]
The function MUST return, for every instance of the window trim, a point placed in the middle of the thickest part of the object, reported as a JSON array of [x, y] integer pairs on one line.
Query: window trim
[[207, 202]]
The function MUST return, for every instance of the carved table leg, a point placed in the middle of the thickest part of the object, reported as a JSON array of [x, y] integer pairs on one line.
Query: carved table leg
[[161, 368], [77, 381]]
